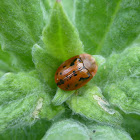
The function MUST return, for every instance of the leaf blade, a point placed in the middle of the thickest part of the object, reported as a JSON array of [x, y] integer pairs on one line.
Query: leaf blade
[[60, 37]]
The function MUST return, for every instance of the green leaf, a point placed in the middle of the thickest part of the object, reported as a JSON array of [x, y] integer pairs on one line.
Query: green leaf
[[69, 8], [131, 123], [46, 9], [24, 95], [107, 26], [58, 47], [67, 5], [61, 96], [91, 104], [119, 79], [1, 73], [54, 112], [20, 27], [24, 132], [51, 2], [71, 130], [23, 100], [60, 37], [100, 60], [45, 64], [67, 130], [7, 61], [99, 132], [122, 95]]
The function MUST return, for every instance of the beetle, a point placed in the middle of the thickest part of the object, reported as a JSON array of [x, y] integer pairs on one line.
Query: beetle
[[75, 72]]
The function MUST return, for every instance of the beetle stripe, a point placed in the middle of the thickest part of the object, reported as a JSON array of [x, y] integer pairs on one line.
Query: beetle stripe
[[72, 63], [74, 73], [60, 82], [83, 78]]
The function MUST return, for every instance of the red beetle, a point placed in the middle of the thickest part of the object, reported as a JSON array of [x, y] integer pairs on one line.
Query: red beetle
[[75, 72]]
